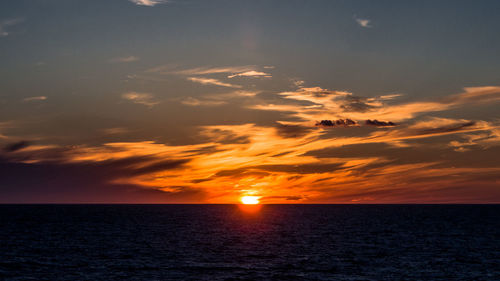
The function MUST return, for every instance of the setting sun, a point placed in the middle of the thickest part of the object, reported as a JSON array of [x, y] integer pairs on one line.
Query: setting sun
[[250, 200]]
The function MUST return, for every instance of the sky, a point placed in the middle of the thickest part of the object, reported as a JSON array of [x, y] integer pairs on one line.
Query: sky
[[291, 101]]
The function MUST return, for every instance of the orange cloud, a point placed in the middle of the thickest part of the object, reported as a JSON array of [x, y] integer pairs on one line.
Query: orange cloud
[[287, 162]]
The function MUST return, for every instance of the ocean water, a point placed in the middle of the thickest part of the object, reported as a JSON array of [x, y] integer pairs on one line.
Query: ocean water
[[225, 242]]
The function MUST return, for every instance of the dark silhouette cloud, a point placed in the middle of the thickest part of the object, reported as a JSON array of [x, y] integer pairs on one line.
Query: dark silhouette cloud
[[337, 123], [377, 123]]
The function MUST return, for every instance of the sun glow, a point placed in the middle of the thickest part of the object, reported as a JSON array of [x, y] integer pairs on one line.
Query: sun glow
[[250, 200]]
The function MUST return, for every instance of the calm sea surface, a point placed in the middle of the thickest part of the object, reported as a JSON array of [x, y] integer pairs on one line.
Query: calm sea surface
[[224, 242]]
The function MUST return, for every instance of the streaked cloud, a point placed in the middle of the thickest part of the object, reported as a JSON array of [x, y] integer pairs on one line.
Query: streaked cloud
[[484, 140], [37, 98], [4, 24], [315, 104], [232, 71], [251, 73], [140, 98], [389, 97], [280, 163], [205, 70], [196, 102], [212, 81], [149, 3], [304, 156], [206, 75]]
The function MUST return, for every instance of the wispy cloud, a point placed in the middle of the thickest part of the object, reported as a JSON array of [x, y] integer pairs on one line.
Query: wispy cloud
[[215, 74], [124, 59], [273, 161], [232, 71], [251, 73], [149, 3], [315, 104], [6, 23], [38, 98], [212, 81], [140, 98], [363, 22], [206, 70], [386, 149], [197, 102]]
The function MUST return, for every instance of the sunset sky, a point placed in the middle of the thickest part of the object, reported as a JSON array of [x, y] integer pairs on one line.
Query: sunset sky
[[292, 101]]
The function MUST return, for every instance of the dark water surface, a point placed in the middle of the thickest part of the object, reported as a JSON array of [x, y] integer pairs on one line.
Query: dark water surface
[[222, 242]]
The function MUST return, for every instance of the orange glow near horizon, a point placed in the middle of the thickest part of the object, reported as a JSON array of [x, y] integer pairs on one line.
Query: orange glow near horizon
[[250, 200], [250, 208]]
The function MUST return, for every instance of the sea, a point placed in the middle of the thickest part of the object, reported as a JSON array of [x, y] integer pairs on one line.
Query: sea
[[265, 242]]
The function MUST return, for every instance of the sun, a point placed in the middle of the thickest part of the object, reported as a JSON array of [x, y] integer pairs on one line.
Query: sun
[[250, 200]]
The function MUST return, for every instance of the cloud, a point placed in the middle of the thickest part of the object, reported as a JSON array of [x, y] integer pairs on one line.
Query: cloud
[[363, 22], [206, 70], [476, 95], [485, 140], [251, 73], [429, 128], [234, 94], [124, 59], [377, 123], [290, 159], [38, 98], [389, 97], [149, 3], [140, 98], [232, 71], [212, 81], [196, 102], [315, 103], [267, 160], [337, 123], [6, 23], [206, 75], [298, 83], [446, 128], [356, 104]]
